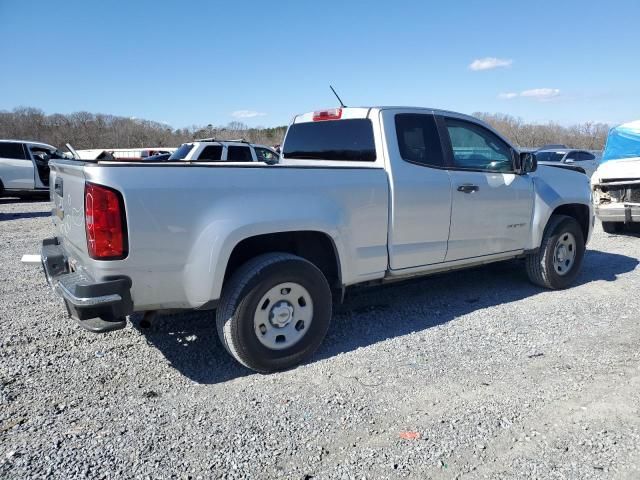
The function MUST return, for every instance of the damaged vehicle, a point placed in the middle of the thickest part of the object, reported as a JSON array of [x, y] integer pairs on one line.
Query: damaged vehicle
[[24, 167], [616, 182], [359, 196]]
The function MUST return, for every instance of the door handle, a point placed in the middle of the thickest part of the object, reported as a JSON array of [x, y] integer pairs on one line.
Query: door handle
[[468, 188]]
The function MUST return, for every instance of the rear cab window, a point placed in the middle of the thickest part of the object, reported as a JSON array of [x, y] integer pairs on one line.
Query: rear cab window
[[350, 139]]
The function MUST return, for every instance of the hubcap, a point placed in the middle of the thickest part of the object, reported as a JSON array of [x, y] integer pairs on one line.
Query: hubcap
[[283, 316], [564, 254]]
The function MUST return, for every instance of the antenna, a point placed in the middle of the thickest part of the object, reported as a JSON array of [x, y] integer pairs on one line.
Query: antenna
[[334, 92]]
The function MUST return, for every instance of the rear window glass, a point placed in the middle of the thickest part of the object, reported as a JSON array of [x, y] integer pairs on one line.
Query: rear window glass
[[182, 151], [11, 150], [331, 140]]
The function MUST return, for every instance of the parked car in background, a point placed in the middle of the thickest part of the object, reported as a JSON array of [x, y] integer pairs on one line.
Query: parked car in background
[[212, 150], [616, 182], [122, 154], [24, 166], [578, 158], [159, 157], [359, 196]]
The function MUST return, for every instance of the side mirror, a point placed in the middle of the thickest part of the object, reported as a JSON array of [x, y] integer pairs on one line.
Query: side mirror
[[528, 162], [569, 160]]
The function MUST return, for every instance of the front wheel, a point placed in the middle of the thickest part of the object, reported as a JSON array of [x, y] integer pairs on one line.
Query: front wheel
[[274, 312], [557, 263]]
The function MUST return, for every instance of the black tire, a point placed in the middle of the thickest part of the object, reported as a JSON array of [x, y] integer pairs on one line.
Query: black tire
[[613, 227], [540, 265], [239, 302]]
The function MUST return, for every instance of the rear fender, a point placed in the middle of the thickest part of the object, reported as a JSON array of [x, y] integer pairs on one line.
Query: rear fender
[[230, 222]]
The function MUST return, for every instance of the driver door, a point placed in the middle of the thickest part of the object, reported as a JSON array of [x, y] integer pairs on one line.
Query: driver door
[[491, 204]]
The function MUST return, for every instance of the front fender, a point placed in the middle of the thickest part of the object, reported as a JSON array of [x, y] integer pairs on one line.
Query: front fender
[[554, 187]]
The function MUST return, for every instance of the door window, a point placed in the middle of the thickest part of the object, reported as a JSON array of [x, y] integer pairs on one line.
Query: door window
[[476, 148], [266, 155], [582, 156], [12, 150], [571, 156], [418, 139], [238, 154], [211, 153]]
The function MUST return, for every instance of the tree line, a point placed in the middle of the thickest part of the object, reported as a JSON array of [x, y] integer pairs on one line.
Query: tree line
[[96, 130], [588, 135]]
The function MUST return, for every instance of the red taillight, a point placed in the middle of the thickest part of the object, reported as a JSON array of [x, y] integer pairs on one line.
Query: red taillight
[[333, 114], [105, 223]]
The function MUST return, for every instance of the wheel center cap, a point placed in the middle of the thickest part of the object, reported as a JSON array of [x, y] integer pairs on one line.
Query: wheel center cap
[[562, 253], [281, 314]]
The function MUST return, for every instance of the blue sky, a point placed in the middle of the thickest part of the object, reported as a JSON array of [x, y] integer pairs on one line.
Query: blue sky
[[203, 62]]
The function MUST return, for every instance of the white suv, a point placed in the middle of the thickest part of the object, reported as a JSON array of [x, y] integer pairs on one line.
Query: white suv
[[24, 166], [212, 150]]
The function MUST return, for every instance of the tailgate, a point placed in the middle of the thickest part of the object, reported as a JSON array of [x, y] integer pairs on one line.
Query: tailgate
[[67, 195]]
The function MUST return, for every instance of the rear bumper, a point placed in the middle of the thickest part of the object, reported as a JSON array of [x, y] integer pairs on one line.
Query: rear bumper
[[624, 213], [98, 306]]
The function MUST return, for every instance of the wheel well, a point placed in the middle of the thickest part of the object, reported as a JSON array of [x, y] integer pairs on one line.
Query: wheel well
[[317, 247], [579, 212]]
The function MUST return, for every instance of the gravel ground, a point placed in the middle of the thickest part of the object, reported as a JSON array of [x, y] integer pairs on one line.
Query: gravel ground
[[484, 375]]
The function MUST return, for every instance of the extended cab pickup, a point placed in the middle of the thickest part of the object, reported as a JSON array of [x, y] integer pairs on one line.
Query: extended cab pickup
[[361, 195]]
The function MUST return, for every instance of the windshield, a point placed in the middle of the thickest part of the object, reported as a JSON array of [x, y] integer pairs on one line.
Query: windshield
[[331, 140], [550, 156], [58, 154], [182, 152]]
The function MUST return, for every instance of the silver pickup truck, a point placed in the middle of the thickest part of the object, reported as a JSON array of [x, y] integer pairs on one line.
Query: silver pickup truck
[[360, 195]]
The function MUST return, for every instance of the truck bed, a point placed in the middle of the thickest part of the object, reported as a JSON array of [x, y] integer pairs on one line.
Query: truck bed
[[181, 216]]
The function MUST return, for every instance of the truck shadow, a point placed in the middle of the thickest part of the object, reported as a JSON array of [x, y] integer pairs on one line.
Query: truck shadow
[[190, 343], [22, 215], [33, 199]]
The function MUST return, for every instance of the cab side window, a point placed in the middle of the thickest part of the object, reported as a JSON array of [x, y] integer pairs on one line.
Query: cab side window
[[476, 148], [418, 139], [12, 150]]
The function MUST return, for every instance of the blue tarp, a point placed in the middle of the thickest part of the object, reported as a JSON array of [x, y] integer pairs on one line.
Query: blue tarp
[[623, 142]]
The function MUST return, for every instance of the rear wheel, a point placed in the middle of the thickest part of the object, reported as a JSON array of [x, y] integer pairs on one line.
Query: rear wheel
[[612, 227], [557, 263], [274, 312]]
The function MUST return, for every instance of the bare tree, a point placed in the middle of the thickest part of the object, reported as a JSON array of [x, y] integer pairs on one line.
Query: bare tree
[[587, 135], [88, 130]]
